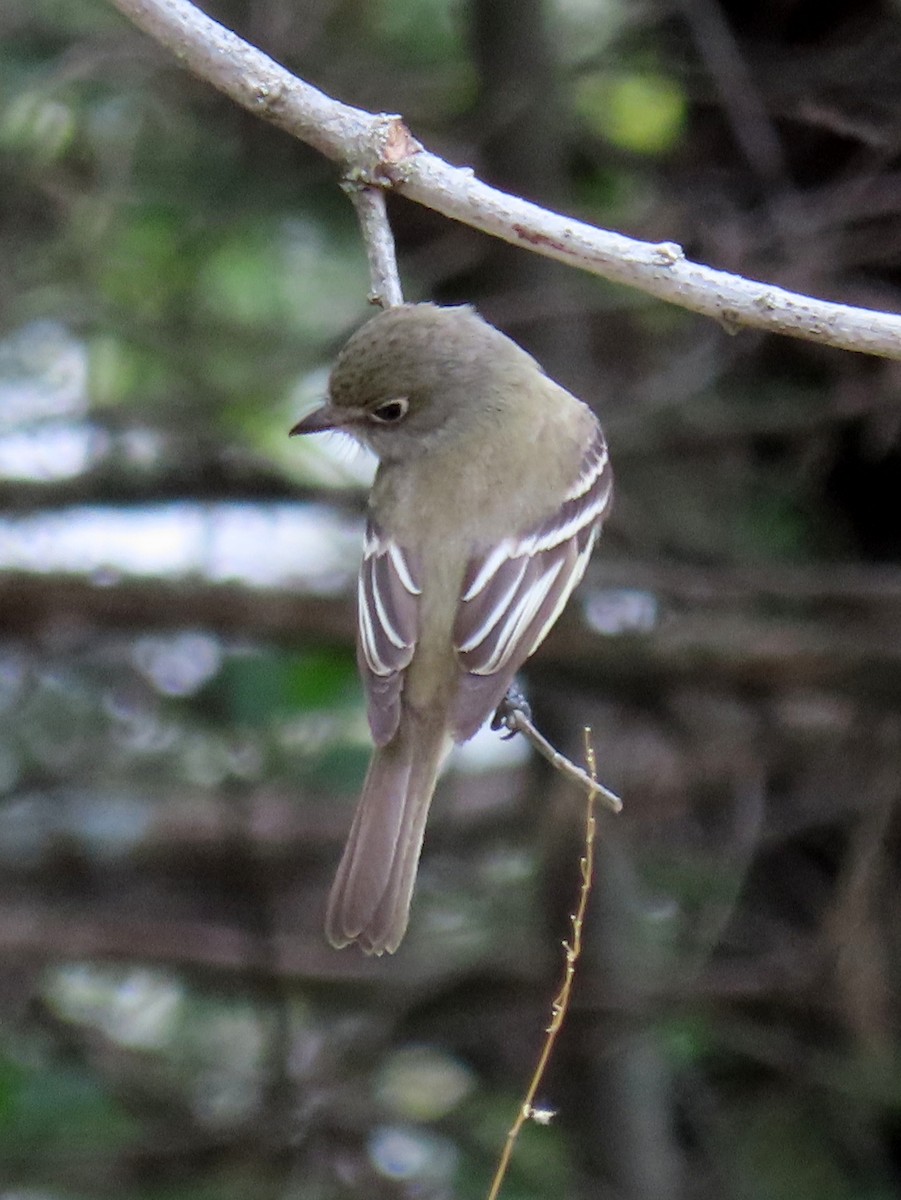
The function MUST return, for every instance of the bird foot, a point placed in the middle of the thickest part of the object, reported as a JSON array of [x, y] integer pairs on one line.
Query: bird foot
[[513, 704]]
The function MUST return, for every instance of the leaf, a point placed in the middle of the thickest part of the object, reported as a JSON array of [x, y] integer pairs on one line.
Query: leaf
[[641, 112]]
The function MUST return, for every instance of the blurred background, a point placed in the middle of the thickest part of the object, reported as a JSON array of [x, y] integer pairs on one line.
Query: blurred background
[[182, 735]]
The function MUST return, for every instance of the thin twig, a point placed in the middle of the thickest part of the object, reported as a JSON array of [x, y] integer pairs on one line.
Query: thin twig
[[560, 1005], [513, 714], [384, 280], [379, 149]]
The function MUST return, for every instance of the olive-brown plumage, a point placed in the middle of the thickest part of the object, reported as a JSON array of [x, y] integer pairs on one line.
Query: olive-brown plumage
[[492, 486]]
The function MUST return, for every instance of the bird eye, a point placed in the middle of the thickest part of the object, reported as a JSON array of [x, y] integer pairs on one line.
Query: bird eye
[[391, 411]]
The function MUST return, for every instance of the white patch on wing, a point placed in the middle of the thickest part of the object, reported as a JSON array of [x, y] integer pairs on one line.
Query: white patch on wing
[[518, 620], [504, 550], [519, 589], [384, 618], [386, 612], [500, 607], [367, 634], [593, 468], [403, 571], [573, 582], [569, 528]]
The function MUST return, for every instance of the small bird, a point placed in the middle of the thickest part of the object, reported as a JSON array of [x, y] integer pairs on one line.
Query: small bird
[[492, 485]]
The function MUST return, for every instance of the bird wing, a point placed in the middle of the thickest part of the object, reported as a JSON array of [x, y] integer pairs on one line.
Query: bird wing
[[511, 596], [387, 626], [513, 593]]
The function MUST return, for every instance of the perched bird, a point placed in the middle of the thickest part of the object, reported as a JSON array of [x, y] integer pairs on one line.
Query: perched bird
[[492, 485]]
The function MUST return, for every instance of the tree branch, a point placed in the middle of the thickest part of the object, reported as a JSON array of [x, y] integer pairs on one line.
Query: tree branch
[[377, 149], [369, 202], [513, 714], [204, 480]]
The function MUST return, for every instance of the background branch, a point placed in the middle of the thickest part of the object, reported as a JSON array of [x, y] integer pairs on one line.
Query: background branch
[[701, 631], [204, 479], [379, 149]]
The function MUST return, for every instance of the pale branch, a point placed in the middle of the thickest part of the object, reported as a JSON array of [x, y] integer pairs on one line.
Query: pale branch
[[384, 280], [377, 149], [513, 715]]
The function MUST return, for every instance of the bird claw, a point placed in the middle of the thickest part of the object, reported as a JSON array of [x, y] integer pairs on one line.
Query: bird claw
[[512, 705]]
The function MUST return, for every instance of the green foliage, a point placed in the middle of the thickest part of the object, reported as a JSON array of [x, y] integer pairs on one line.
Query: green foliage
[[147, 267], [191, 275], [51, 23], [53, 1110], [540, 1169], [339, 768], [38, 129], [12, 1080], [779, 1150], [689, 1040], [774, 527], [423, 33], [267, 685], [639, 111], [119, 370], [288, 273]]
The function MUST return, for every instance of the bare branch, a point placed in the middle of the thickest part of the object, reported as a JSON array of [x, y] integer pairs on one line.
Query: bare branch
[[207, 478], [513, 714], [385, 288], [379, 150]]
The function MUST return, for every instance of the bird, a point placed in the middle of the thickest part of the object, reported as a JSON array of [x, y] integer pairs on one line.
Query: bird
[[492, 486]]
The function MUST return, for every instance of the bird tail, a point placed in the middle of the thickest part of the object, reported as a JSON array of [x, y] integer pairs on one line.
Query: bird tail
[[370, 898]]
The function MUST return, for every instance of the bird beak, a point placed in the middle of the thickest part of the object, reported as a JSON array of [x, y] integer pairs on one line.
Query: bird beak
[[319, 421]]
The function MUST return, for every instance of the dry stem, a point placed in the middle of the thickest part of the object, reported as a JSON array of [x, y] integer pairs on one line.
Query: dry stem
[[560, 1005]]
